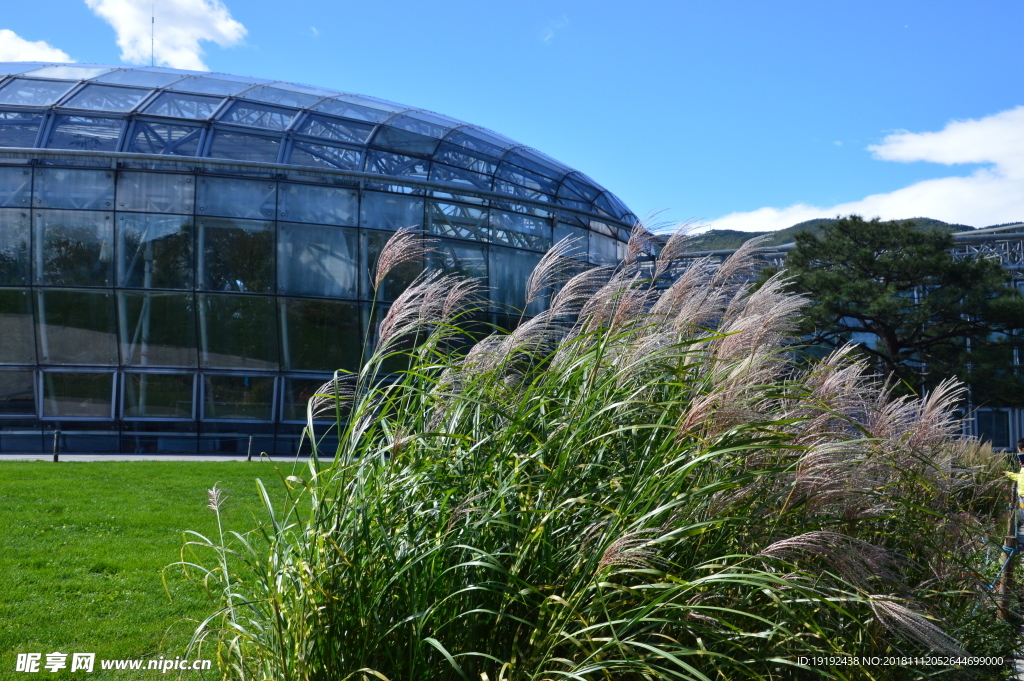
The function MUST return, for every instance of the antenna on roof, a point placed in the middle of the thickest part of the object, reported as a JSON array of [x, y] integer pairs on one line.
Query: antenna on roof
[[152, 35]]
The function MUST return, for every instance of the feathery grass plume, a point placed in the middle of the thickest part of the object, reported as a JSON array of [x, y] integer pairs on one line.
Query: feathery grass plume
[[215, 498], [854, 559], [430, 299], [675, 246], [912, 625], [553, 266], [632, 550], [640, 242], [405, 245], [331, 396]]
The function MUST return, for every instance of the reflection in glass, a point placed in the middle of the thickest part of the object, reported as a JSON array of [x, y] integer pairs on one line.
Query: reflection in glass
[[76, 395], [604, 250], [19, 129], [175, 105], [509, 271], [391, 211], [404, 142], [370, 244], [457, 220], [236, 255], [14, 246], [155, 192], [318, 261], [317, 203], [237, 331], [81, 189], [18, 344], [346, 106], [157, 329], [74, 247], [236, 198], [294, 96], [85, 133], [15, 187], [240, 147], [520, 231], [320, 335], [106, 98], [326, 155], [209, 86], [154, 251], [238, 397], [26, 92], [69, 71], [17, 393], [76, 327], [158, 138], [143, 78], [396, 165], [466, 260], [459, 176], [258, 116], [165, 396]]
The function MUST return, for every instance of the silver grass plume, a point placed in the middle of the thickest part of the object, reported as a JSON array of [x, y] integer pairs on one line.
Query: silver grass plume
[[633, 550], [551, 269], [855, 560], [405, 245], [914, 626]]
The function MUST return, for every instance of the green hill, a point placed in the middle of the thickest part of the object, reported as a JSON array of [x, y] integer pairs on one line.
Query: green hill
[[729, 239]]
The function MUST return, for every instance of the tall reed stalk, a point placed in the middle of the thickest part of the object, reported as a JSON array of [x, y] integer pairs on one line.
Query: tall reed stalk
[[639, 483]]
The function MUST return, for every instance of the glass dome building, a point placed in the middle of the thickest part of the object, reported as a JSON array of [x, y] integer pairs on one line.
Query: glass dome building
[[183, 255]]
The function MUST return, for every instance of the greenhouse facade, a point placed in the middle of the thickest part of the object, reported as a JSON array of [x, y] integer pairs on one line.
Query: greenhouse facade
[[184, 256]]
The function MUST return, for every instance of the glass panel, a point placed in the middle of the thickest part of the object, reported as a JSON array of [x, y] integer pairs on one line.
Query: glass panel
[[273, 95], [458, 176], [258, 116], [474, 141], [336, 129], [166, 396], [237, 331], [155, 192], [390, 211], [85, 133], [69, 71], [348, 108], [508, 274], [77, 395], [157, 329], [326, 155], [603, 228], [154, 251], [240, 147], [236, 198], [458, 156], [318, 261], [581, 245], [404, 142], [14, 67], [422, 124], [19, 129], [318, 92], [994, 427], [521, 231], [370, 244], [453, 257], [457, 220], [74, 248], [396, 165], [320, 335], [604, 250], [209, 86], [526, 178], [19, 344], [603, 205], [17, 393], [238, 397], [531, 159], [143, 78], [78, 327], [106, 98], [236, 255], [82, 189], [576, 189], [15, 240], [297, 394], [184, 106], [15, 187], [25, 92], [157, 138], [317, 203], [505, 187]]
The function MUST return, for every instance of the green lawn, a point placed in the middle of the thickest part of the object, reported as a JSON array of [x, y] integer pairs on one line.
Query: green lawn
[[84, 545]]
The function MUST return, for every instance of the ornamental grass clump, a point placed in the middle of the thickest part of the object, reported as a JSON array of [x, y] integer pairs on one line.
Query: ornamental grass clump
[[639, 483]]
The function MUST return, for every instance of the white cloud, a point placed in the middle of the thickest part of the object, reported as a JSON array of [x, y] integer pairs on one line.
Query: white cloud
[[15, 48], [990, 195], [180, 27], [548, 33]]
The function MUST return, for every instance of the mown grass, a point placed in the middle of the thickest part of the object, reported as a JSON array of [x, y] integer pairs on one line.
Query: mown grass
[[84, 550]]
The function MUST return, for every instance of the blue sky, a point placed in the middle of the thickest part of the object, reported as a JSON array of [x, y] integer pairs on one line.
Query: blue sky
[[746, 115]]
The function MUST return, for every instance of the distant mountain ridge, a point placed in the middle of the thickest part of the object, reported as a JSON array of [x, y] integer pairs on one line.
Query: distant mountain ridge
[[730, 239]]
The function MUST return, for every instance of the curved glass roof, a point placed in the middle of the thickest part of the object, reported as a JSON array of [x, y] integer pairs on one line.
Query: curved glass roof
[[150, 110]]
